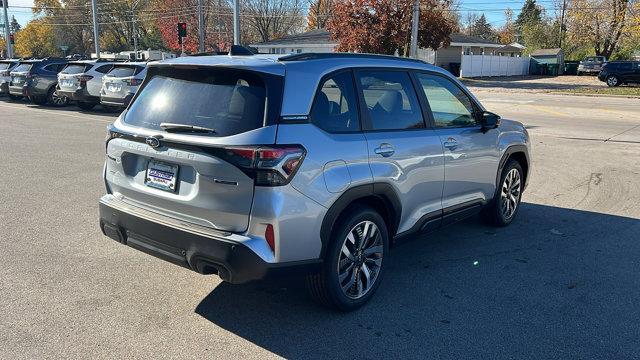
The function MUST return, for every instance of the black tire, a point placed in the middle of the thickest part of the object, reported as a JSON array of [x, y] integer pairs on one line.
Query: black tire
[[325, 286], [86, 105], [54, 100], [15, 97], [579, 73], [38, 100], [494, 213], [613, 81]]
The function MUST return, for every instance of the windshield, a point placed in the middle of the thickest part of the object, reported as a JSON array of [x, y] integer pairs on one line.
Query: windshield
[[230, 101], [22, 68], [76, 68], [124, 71]]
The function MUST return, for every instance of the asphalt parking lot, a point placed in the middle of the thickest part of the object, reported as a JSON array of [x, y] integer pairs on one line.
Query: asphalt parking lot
[[560, 282]]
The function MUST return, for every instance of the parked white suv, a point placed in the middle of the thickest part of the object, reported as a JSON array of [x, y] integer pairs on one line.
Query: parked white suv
[[121, 83], [81, 81]]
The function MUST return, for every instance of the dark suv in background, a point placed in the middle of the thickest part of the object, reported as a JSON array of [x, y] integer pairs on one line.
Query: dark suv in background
[[616, 73], [37, 79]]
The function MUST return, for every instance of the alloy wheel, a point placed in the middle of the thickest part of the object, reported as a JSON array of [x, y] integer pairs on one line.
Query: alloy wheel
[[510, 194], [360, 259], [612, 81], [58, 100]]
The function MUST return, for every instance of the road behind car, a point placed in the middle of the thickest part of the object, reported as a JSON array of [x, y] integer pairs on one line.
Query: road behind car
[[560, 282]]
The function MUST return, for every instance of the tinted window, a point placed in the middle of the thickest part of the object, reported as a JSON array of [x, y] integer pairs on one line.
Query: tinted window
[[334, 108], [228, 101], [124, 71], [104, 69], [390, 100], [624, 66], [450, 106], [22, 68], [75, 68], [54, 67]]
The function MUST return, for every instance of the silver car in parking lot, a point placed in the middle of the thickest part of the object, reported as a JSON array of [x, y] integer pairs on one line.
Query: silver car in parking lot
[[121, 83], [247, 166], [81, 81]]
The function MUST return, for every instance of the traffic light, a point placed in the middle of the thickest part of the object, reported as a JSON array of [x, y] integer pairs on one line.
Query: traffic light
[[182, 29], [12, 39]]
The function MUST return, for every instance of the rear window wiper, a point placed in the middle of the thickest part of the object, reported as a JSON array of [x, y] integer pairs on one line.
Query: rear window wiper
[[171, 127]]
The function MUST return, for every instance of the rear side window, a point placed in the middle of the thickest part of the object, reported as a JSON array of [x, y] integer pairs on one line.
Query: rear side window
[[124, 71], [104, 69], [75, 69], [22, 68], [390, 100], [450, 106], [56, 68], [228, 101], [335, 106], [624, 66]]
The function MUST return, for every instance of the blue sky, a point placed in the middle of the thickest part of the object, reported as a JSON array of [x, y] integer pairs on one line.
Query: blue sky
[[495, 17]]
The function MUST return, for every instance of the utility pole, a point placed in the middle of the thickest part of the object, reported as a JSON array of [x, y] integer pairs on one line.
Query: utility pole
[[413, 51], [7, 32], [96, 34], [564, 6], [236, 22], [201, 26]]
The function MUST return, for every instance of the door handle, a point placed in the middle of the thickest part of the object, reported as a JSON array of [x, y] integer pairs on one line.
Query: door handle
[[385, 150], [451, 143]]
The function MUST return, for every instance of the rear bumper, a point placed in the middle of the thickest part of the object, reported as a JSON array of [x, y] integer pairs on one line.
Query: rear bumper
[[79, 95], [18, 90], [113, 101], [194, 247]]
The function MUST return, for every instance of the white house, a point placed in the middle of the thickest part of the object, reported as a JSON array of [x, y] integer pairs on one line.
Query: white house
[[318, 41]]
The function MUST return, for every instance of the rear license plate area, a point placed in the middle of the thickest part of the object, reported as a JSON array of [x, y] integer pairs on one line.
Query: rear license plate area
[[114, 87], [161, 175]]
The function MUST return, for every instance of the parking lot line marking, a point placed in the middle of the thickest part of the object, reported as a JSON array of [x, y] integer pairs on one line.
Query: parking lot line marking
[[83, 117]]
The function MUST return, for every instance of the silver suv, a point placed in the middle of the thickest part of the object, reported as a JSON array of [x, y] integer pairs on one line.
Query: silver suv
[[246, 166]]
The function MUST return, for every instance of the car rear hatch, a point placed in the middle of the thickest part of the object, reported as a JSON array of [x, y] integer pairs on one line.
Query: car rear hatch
[[117, 83], [70, 78], [180, 148], [20, 73]]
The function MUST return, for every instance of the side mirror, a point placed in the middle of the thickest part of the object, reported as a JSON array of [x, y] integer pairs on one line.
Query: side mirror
[[489, 120]]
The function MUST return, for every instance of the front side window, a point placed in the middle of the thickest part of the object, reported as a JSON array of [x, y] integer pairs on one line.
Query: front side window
[[228, 102], [450, 106], [390, 100], [334, 108], [22, 68]]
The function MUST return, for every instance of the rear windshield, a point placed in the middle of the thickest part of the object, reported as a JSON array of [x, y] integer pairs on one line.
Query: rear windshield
[[76, 68], [22, 68], [229, 101], [4, 66], [124, 71]]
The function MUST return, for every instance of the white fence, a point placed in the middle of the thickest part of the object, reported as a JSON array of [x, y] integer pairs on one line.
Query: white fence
[[492, 65]]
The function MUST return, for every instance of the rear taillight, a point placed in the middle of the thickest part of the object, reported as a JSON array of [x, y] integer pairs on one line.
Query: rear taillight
[[270, 237], [268, 165], [133, 82], [83, 79]]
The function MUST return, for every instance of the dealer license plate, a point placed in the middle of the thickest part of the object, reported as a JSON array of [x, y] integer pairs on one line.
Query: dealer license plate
[[161, 175]]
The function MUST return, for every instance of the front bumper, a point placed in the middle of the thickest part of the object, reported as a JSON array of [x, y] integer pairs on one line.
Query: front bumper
[[198, 248], [116, 101], [79, 95]]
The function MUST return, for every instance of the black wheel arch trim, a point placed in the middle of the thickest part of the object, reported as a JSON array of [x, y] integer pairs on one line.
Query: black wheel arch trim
[[513, 149], [383, 191]]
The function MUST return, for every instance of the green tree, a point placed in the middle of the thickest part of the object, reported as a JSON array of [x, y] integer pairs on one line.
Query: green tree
[[530, 13], [481, 28]]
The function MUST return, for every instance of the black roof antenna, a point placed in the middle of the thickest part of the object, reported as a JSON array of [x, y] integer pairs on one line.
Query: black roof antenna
[[239, 50]]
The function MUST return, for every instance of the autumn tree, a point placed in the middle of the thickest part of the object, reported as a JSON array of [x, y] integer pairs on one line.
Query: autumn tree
[[319, 13], [600, 24], [218, 24], [507, 33], [384, 26], [36, 40]]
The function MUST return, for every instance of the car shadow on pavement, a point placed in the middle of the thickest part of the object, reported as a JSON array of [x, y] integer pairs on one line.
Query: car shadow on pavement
[[550, 284]]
